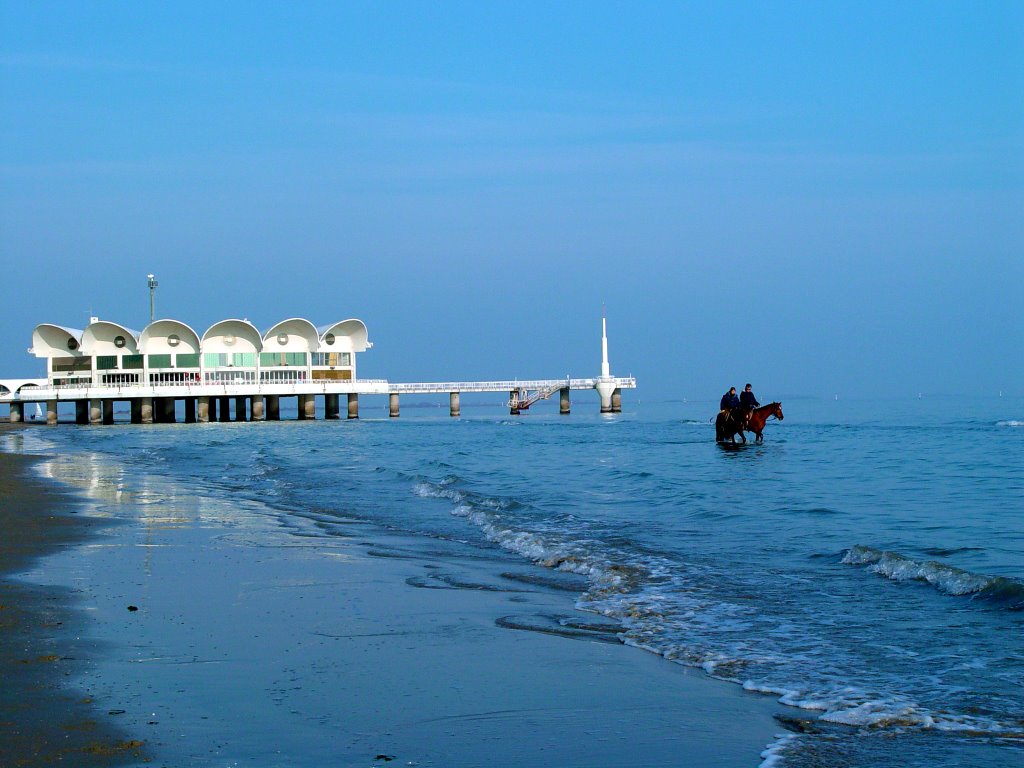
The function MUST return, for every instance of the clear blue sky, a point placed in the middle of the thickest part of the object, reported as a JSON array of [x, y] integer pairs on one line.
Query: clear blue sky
[[816, 197]]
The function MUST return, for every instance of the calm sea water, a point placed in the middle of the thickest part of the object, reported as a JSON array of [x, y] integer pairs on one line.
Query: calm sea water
[[865, 565]]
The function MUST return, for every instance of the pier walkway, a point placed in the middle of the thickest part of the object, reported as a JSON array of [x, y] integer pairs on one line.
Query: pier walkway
[[258, 401]]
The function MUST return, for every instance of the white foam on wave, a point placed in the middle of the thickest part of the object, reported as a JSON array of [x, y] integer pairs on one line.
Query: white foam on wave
[[897, 567], [773, 756], [656, 610], [1010, 423]]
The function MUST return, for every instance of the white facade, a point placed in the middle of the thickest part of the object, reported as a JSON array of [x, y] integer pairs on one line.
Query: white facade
[[168, 352]]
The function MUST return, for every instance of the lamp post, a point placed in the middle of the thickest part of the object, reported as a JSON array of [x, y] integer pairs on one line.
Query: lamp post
[[152, 297]]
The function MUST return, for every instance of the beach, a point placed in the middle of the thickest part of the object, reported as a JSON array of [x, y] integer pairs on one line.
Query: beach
[[211, 631], [45, 719]]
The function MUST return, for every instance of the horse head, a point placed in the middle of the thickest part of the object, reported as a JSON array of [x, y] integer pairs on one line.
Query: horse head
[[777, 410]]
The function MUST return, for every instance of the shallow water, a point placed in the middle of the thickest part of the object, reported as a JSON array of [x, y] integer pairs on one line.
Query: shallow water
[[865, 564]]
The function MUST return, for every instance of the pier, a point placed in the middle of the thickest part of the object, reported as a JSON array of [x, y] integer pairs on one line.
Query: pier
[[234, 373], [238, 402]]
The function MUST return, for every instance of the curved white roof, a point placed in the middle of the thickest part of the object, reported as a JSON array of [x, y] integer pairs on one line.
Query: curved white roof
[[103, 337], [169, 337], [349, 336], [293, 335], [232, 336], [50, 340]]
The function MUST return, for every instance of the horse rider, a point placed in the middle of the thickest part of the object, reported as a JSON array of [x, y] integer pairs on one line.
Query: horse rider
[[748, 403], [729, 400], [747, 399]]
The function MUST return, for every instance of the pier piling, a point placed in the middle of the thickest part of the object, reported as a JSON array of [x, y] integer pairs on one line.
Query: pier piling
[[332, 406], [454, 404]]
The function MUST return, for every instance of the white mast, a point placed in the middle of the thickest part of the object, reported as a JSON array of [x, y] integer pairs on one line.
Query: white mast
[[605, 368]]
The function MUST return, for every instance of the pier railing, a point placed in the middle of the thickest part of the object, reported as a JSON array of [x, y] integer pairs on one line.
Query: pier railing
[[627, 382]]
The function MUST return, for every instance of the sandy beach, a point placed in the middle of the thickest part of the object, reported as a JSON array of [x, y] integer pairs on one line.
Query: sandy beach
[[44, 718], [207, 633]]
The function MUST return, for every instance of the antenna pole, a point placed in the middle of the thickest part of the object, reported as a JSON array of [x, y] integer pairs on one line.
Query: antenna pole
[[152, 297]]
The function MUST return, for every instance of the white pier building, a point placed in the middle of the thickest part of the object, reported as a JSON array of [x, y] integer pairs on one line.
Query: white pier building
[[234, 372]]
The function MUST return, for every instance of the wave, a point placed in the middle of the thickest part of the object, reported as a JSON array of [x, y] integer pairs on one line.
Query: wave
[[665, 611], [1005, 592], [1010, 423]]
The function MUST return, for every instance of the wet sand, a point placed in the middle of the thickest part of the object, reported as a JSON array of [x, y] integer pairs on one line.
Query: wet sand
[[289, 639], [43, 720]]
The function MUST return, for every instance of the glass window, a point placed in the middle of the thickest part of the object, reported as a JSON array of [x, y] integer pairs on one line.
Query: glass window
[[332, 358], [131, 361], [106, 362], [215, 359], [243, 359], [187, 360], [160, 361], [72, 364], [274, 359]]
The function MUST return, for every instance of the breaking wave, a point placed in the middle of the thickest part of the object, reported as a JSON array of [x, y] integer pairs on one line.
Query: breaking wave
[[669, 612], [1004, 592], [1010, 423]]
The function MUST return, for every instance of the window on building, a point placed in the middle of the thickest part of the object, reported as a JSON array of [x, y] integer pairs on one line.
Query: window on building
[[120, 378], [342, 374], [332, 359], [275, 359], [230, 377], [132, 362], [66, 364], [282, 376], [178, 377], [160, 361], [186, 360], [106, 362]]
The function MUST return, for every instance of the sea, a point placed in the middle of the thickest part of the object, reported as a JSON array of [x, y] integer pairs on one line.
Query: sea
[[864, 565]]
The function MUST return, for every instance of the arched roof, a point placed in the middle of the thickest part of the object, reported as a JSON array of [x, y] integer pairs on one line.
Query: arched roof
[[50, 340], [349, 336], [232, 336], [103, 337], [159, 338], [297, 335]]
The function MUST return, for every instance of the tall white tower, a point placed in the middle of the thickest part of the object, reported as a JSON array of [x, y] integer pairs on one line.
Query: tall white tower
[[605, 384], [605, 368]]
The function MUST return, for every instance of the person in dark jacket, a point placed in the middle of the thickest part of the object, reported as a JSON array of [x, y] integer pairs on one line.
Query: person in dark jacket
[[729, 400], [747, 399]]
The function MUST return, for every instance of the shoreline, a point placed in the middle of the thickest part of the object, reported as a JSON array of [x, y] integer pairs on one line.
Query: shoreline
[[43, 720], [280, 638]]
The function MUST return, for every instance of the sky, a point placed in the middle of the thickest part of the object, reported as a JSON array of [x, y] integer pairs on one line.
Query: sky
[[818, 198]]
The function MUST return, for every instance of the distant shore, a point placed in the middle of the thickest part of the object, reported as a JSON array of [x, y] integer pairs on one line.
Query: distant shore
[[42, 721]]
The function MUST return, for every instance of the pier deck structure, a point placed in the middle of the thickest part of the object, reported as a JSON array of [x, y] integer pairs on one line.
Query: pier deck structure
[[232, 372], [251, 401]]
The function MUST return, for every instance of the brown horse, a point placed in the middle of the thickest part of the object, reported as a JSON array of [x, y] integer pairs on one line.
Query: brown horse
[[759, 418], [730, 423]]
